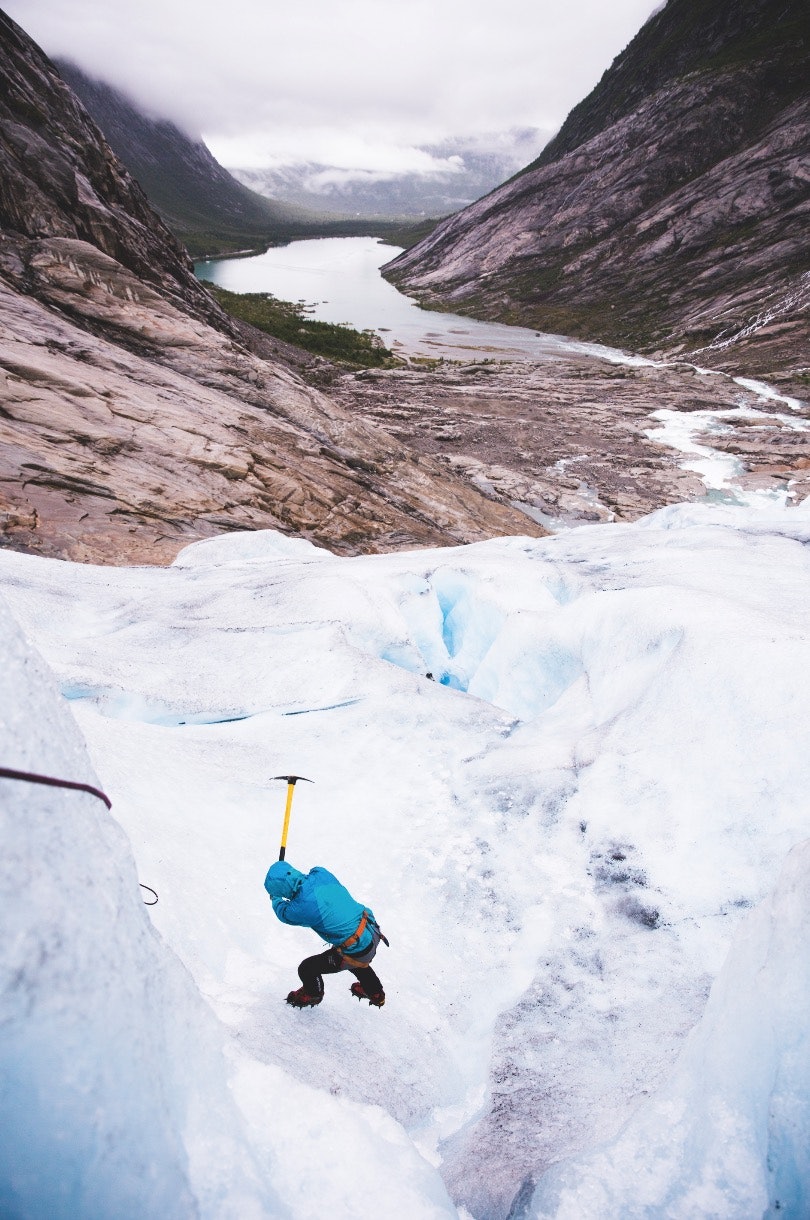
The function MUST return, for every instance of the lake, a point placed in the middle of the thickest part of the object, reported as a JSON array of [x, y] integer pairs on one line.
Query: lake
[[339, 280]]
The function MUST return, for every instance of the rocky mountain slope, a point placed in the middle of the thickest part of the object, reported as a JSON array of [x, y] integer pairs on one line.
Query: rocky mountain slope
[[200, 201], [133, 418], [670, 212]]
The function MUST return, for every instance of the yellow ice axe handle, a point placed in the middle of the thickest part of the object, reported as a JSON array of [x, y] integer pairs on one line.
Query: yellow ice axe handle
[[286, 827], [292, 780]]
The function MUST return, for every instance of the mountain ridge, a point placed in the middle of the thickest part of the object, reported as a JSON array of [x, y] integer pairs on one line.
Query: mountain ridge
[[205, 206], [705, 35], [59, 179], [189, 189], [669, 213]]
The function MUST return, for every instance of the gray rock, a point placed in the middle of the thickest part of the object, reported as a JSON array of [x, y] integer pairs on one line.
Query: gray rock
[[134, 417]]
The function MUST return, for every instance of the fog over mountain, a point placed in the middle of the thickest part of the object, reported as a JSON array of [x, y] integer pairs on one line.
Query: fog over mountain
[[351, 84], [135, 413], [210, 208], [197, 198], [445, 177], [203, 204]]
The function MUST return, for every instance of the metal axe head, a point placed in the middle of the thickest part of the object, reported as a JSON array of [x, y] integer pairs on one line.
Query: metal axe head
[[293, 779]]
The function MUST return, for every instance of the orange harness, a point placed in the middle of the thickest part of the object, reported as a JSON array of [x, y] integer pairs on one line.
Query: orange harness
[[353, 940]]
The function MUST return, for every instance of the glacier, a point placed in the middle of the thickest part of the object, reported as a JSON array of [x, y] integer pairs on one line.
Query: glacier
[[582, 834]]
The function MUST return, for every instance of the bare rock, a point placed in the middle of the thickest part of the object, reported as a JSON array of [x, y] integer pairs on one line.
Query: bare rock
[[575, 441], [126, 451], [670, 213], [133, 418]]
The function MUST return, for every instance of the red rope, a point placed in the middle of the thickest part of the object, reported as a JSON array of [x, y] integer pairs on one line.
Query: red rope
[[30, 778], [7, 773]]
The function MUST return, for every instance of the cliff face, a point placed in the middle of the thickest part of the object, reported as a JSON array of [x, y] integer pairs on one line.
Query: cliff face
[[132, 418], [59, 179], [670, 212]]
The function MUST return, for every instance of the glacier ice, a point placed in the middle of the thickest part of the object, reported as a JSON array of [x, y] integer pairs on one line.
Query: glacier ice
[[562, 839], [113, 1089], [727, 1134]]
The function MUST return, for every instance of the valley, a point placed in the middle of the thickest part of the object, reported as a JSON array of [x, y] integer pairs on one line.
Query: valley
[[565, 431], [669, 214], [139, 416], [512, 568]]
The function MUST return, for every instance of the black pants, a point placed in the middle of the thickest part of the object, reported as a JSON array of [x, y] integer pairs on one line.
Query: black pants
[[332, 962]]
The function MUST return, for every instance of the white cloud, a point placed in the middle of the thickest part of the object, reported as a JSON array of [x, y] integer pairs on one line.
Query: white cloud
[[323, 180], [280, 83], [350, 152]]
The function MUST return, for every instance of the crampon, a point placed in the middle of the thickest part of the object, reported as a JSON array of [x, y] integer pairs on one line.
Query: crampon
[[300, 999], [376, 1000]]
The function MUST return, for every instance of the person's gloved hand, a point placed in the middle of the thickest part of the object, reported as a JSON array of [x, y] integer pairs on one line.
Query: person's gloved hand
[[278, 904]]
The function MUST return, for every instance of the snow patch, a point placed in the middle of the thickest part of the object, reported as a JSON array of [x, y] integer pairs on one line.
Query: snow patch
[[243, 546]]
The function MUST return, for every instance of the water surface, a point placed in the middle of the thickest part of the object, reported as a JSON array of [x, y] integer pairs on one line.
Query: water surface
[[339, 280]]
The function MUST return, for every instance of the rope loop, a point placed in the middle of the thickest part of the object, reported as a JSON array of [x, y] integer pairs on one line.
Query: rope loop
[[29, 777]]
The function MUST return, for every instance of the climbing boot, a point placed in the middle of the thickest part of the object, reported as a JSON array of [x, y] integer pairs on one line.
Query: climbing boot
[[300, 999], [376, 1000]]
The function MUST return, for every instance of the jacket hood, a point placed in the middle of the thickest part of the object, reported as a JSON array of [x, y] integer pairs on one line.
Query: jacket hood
[[282, 880]]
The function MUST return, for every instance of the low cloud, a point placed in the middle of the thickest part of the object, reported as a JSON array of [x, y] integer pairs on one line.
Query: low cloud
[[290, 83], [324, 181], [346, 152]]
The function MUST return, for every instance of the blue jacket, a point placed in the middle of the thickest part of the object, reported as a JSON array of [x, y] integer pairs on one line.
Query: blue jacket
[[317, 901]]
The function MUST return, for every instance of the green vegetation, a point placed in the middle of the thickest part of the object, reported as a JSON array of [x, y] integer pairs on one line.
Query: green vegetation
[[288, 322], [407, 233]]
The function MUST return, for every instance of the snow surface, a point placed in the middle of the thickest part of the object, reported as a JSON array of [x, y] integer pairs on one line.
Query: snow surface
[[727, 1134], [561, 834], [113, 1092]]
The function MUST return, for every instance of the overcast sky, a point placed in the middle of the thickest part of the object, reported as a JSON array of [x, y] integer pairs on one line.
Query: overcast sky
[[351, 83]]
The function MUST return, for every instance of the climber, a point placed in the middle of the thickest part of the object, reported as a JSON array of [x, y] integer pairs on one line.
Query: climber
[[320, 902]]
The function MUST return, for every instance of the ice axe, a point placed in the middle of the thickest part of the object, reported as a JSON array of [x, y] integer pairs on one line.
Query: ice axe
[[292, 780]]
